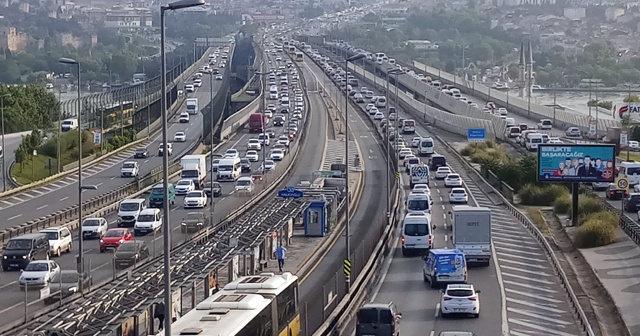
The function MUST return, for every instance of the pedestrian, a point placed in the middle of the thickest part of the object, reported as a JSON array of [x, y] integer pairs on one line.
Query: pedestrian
[[159, 314], [280, 252]]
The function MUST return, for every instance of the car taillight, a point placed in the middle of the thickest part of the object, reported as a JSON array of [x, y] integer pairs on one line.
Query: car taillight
[[430, 239], [446, 298], [473, 298], [402, 239], [612, 192]]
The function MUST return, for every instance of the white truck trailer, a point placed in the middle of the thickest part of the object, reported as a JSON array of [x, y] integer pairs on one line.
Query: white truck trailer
[[192, 106], [194, 167], [472, 233]]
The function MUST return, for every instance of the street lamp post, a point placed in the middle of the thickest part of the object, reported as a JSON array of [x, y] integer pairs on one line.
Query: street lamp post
[[212, 204], [346, 160], [389, 71], [166, 231], [4, 149]]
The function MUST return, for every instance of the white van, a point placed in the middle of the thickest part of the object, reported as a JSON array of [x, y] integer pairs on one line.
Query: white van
[[381, 102], [245, 184], [273, 93], [417, 235], [419, 203], [284, 102], [436, 84], [229, 169], [533, 140], [426, 147], [510, 122], [149, 220], [129, 209]]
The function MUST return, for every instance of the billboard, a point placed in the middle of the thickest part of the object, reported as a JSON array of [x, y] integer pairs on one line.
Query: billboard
[[576, 163]]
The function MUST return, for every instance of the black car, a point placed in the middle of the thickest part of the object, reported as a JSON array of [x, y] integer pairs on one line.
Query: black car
[[141, 153], [613, 193], [245, 165], [65, 284], [130, 253], [278, 121], [20, 250], [217, 189], [633, 202]]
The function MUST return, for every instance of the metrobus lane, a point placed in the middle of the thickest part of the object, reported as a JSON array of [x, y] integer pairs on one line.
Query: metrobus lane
[[520, 294]]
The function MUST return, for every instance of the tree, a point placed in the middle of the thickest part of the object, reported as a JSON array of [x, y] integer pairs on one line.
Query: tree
[[631, 99], [20, 156]]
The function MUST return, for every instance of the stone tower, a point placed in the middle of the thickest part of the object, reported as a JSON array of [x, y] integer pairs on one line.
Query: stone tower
[[530, 74], [522, 72]]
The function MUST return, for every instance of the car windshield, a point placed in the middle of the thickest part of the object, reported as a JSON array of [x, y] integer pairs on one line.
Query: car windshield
[[128, 165], [52, 235], [445, 170], [457, 191], [18, 244], [127, 247], [216, 161], [244, 161], [453, 176], [184, 183], [243, 183], [146, 218], [37, 267], [129, 206], [416, 229], [277, 151], [91, 222], [141, 150], [418, 205], [194, 194], [179, 134], [114, 233], [459, 292], [157, 191], [225, 168]]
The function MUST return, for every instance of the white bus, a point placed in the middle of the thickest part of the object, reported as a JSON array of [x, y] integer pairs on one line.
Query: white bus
[[630, 170], [265, 304]]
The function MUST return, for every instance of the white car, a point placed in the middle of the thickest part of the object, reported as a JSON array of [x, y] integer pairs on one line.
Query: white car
[[378, 116], [503, 111], [283, 139], [38, 273], [460, 299], [197, 82], [373, 111], [453, 180], [404, 152], [415, 142], [129, 169], [161, 149], [442, 172], [185, 186], [392, 116], [268, 113], [252, 156], [545, 124], [184, 118], [180, 137], [149, 220], [254, 144], [231, 153], [277, 154], [369, 106], [458, 195], [218, 77], [60, 239], [189, 88], [269, 165], [195, 199], [94, 227], [421, 188]]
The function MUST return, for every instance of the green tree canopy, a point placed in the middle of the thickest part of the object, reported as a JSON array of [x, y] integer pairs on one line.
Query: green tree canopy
[[27, 107]]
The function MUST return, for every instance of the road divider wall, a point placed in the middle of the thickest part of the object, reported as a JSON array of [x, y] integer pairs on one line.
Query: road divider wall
[[91, 160]]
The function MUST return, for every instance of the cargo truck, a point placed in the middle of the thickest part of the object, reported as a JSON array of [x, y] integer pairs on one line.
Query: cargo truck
[[472, 233], [192, 106], [194, 167], [69, 124], [256, 123]]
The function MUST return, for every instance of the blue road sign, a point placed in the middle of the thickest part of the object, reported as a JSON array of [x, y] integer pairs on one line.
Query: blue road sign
[[476, 134], [290, 192]]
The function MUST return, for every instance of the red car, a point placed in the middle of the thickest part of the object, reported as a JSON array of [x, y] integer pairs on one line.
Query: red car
[[114, 237]]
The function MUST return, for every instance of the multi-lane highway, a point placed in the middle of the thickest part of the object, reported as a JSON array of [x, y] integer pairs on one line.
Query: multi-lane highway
[[105, 175], [363, 224], [520, 292], [101, 264]]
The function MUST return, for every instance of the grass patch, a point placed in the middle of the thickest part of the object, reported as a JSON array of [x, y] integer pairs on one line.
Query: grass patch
[[537, 218], [632, 156], [33, 169]]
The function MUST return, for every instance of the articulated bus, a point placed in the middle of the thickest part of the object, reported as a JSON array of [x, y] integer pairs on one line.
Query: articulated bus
[[292, 50], [265, 305], [115, 113], [299, 57]]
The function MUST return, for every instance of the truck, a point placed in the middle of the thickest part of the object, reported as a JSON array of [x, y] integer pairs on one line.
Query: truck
[[257, 122], [419, 175], [472, 233], [194, 167], [69, 124], [192, 106]]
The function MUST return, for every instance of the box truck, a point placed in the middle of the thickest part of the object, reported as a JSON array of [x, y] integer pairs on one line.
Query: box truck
[[192, 106], [69, 124], [194, 167], [472, 233]]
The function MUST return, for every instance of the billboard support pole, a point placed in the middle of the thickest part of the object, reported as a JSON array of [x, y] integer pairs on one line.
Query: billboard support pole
[[574, 203]]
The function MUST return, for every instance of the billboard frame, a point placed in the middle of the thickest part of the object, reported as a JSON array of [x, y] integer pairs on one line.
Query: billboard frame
[[611, 170]]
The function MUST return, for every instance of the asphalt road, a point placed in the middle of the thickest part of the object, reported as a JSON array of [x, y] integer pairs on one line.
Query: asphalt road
[[61, 194], [372, 207], [101, 264], [520, 293]]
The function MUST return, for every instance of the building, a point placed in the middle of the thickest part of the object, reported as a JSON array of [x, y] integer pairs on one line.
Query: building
[[612, 13], [575, 13], [13, 40], [78, 41], [128, 19]]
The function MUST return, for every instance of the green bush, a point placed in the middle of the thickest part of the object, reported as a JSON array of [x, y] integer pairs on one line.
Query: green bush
[[593, 233], [541, 196], [588, 205], [562, 205], [467, 151], [611, 218]]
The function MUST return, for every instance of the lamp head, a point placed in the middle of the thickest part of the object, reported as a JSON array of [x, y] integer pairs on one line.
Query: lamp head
[[65, 60], [184, 4], [356, 57]]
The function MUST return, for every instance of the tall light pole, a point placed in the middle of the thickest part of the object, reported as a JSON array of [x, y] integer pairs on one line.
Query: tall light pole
[[389, 71], [4, 149], [346, 160], [211, 210], [166, 225]]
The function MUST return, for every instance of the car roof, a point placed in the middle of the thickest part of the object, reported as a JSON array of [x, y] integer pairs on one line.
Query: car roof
[[149, 211], [459, 286], [53, 229], [39, 261]]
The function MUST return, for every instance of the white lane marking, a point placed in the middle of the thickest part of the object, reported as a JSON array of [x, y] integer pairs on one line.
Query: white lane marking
[[17, 305], [8, 284], [113, 177], [533, 287], [535, 326], [64, 198], [432, 333], [145, 161], [42, 207], [99, 184], [14, 217], [534, 296], [437, 310]]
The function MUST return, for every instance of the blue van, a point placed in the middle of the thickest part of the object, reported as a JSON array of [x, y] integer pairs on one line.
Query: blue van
[[442, 267]]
